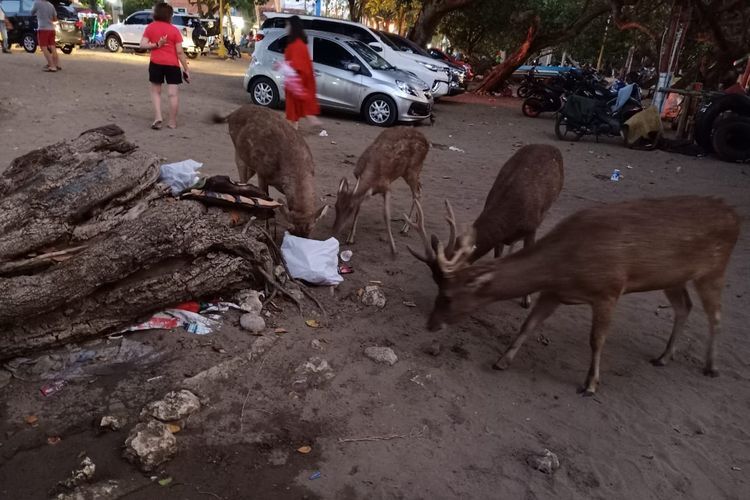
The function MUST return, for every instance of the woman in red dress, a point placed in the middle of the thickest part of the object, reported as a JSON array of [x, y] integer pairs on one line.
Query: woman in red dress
[[298, 57]]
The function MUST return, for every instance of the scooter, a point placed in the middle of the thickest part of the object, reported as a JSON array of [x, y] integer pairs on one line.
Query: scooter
[[586, 116]]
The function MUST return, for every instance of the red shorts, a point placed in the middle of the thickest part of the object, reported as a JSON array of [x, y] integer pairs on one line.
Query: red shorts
[[46, 38]]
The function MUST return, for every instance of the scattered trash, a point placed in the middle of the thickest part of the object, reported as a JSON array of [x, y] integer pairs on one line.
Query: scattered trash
[[252, 323], [373, 296], [52, 388], [346, 255], [316, 344], [313, 323], [157, 322], [323, 133], [735, 468], [547, 462], [166, 481], [112, 422], [189, 306], [304, 449], [616, 176], [312, 260], [383, 355], [173, 428], [628, 167], [280, 330], [175, 405], [250, 301], [180, 176], [84, 473], [409, 303], [315, 475], [31, 419], [345, 269], [149, 445], [457, 150], [53, 440], [194, 322]]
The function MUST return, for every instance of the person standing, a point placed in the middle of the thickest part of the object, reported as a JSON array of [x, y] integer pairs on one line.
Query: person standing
[[4, 27], [297, 56], [46, 17], [165, 42]]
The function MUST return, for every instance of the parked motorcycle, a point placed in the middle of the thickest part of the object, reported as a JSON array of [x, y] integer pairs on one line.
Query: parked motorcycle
[[547, 97], [586, 116], [527, 85]]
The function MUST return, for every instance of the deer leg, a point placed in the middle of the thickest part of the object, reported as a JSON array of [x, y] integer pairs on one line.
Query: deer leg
[[416, 195], [244, 171], [387, 216], [350, 238], [681, 305], [542, 310], [528, 241], [499, 250], [602, 315], [709, 290]]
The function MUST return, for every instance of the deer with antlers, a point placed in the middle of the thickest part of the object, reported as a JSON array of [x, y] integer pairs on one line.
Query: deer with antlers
[[397, 152], [593, 257], [524, 190]]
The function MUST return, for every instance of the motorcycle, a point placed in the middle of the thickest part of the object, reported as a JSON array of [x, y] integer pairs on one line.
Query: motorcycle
[[527, 85], [547, 97], [588, 116]]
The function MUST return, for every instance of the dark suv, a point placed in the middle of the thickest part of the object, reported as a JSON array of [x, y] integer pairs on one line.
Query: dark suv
[[68, 33]]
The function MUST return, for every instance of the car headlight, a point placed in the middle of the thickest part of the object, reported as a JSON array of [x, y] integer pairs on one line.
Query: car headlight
[[429, 66], [406, 88]]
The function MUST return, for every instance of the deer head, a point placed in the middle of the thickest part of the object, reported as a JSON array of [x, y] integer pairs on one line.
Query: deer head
[[302, 223], [347, 202]]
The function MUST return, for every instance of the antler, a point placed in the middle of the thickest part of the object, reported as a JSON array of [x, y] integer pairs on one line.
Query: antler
[[451, 218], [460, 257], [418, 226]]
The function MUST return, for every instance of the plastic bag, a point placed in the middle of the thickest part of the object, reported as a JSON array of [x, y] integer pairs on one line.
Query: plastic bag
[[312, 260], [292, 81], [180, 176]]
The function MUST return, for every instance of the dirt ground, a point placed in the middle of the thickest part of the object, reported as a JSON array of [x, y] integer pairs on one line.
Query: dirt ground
[[454, 427]]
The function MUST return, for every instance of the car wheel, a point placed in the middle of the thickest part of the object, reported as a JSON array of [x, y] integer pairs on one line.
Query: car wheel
[[264, 92], [731, 139], [380, 110], [531, 107], [67, 49], [192, 55], [562, 130], [29, 43], [706, 116], [113, 43]]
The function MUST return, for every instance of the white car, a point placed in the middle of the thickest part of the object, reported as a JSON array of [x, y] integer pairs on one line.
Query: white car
[[435, 73], [128, 34]]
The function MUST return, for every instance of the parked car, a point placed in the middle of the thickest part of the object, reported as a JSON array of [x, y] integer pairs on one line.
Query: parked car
[[128, 34], [458, 73], [350, 77], [68, 31], [436, 74], [442, 56]]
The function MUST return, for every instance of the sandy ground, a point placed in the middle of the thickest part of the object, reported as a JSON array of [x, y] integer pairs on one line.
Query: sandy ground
[[463, 430]]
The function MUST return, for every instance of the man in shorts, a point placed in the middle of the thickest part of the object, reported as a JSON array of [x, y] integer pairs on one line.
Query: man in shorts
[[46, 17]]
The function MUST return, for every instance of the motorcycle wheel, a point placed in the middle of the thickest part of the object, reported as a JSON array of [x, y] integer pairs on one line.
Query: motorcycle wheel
[[561, 130], [532, 107], [730, 139], [523, 91]]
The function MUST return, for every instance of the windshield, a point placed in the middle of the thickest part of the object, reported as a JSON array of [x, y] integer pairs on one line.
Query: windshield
[[406, 45], [388, 42], [370, 56]]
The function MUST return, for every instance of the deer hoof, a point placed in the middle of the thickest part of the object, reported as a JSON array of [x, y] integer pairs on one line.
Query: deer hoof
[[405, 229], [710, 372], [526, 302], [502, 364], [659, 362], [585, 392]]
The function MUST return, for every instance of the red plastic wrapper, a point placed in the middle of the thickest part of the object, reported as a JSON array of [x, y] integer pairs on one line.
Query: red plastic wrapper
[[52, 388]]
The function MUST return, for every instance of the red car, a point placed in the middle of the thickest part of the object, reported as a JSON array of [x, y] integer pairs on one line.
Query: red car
[[439, 54]]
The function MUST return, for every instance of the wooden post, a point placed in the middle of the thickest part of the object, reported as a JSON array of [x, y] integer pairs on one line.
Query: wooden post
[[687, 105]]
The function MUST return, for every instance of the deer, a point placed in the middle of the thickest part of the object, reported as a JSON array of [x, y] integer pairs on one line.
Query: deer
[[593, 257], [398, 152], [266, 144], [524, 190]]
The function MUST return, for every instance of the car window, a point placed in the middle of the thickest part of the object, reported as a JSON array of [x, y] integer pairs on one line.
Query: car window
[[141, 18], [11, 7], [274, 22], [386, 41], [279, 45], [406, 44], [371, 57], [332, 54], [66, 12]]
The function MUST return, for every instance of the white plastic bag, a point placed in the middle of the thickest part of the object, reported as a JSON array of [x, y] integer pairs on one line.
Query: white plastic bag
[[312, 260], [180, 176]]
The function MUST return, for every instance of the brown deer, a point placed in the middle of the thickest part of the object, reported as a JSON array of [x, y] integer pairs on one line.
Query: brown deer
[[396, 152], [266, 144], [593, 257], [525, 188]]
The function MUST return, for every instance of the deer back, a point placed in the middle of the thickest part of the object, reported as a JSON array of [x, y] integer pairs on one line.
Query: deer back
[[396, 152]]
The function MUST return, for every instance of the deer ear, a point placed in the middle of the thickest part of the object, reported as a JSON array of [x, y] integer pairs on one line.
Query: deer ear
[[321, 212], [343, 185]]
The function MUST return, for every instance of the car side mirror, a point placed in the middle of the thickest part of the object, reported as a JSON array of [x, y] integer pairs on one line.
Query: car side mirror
[[376, 46], [353, 67]]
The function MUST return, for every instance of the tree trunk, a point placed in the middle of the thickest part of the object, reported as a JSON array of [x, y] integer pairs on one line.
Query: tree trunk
[[503, 70], [90, 243], [429, 18]]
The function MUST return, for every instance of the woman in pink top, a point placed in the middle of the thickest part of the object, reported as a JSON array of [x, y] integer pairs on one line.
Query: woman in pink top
[[165, 42]]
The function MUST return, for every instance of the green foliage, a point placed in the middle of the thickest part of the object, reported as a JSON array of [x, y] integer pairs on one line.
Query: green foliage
[[130, 6]]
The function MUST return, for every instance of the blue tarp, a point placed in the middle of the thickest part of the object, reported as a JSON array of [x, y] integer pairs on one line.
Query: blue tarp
[[544, 70]]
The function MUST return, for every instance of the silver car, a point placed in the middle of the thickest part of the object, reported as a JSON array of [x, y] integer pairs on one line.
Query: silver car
[[350, 77]]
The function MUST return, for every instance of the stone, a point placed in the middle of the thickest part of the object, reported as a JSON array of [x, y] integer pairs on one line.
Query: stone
[[5, 377], [316, 344], [433, 348], [547, 462], [383, 355], [312, 373], [149, 445], [176, 405], [252, 323], [100, 491], [84, 473], [112, 422], [261, 346], [250, 301], [373, 296]]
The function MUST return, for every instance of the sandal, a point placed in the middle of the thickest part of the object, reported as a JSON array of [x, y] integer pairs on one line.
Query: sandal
[[47, 69], [156, 125]]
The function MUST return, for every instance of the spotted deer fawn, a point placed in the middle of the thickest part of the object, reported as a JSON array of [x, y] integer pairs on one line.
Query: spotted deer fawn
[[593, 257], [525, 188], [266, 144], [397, 152]]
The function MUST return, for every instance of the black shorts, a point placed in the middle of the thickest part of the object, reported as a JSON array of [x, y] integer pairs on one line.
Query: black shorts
[[159, 73]]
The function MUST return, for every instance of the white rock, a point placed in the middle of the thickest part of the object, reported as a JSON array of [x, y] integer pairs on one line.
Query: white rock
[[112, 422], [84, 473], [250, 301], [373, 296], [383, 355], [252, 323], [176, 405], [547, 462], [149, 445]]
